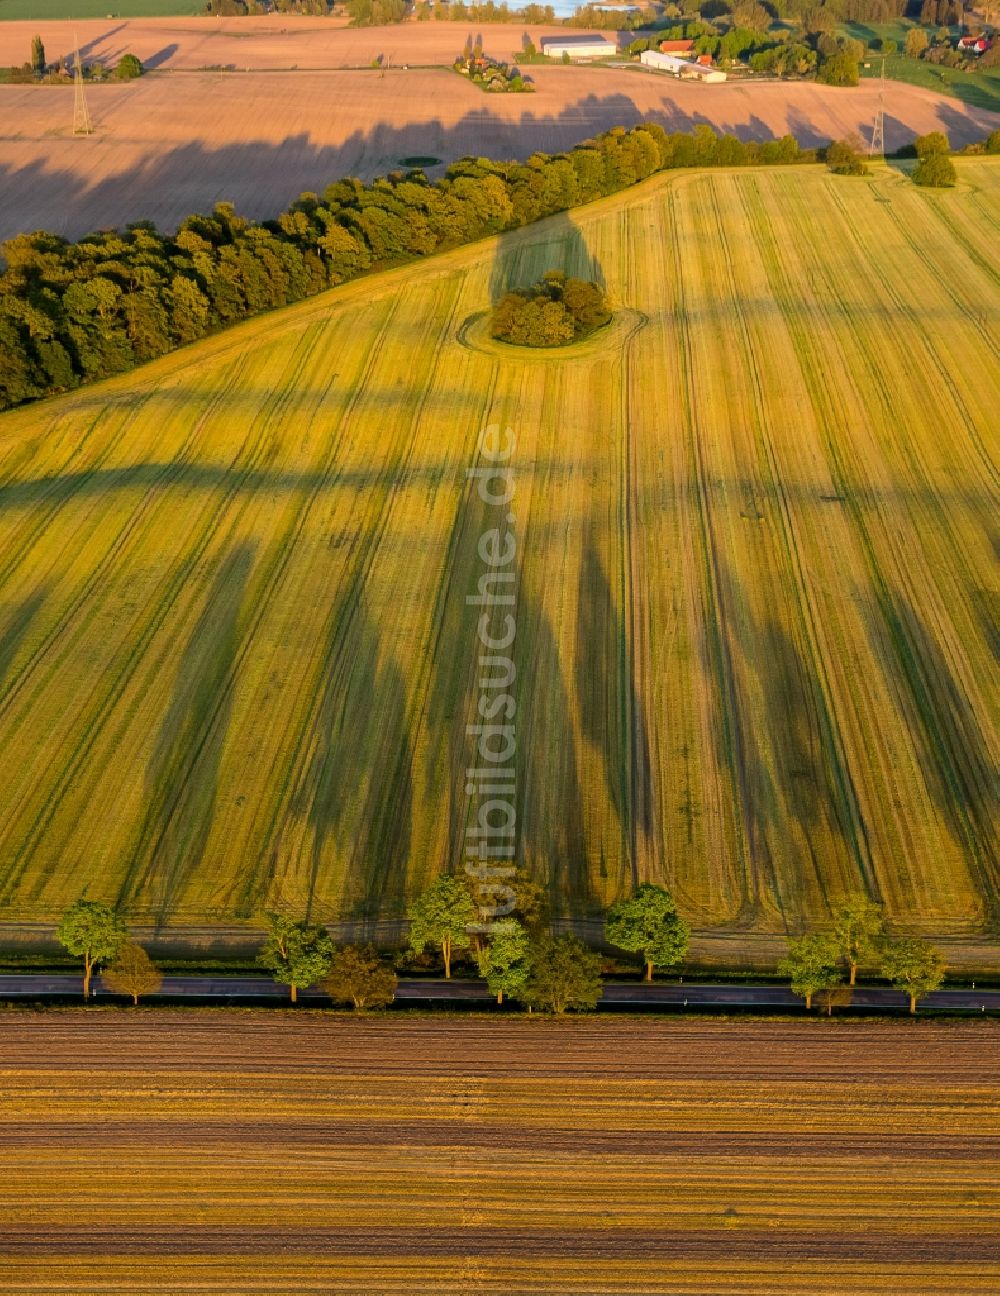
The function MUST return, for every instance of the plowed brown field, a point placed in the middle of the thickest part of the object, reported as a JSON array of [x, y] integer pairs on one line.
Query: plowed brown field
[[178, 142], [261, 1152]]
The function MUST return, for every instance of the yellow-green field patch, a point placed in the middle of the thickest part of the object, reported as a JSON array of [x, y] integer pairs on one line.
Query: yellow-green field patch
[[756, 640]]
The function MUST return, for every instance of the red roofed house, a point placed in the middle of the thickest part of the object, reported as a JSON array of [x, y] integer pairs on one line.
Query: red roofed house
[[679, 47], [974, 44]]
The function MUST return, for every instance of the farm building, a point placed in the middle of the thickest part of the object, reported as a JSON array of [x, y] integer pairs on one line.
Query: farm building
[[977, 44], [680, 67], [578, 47], [677, 47]]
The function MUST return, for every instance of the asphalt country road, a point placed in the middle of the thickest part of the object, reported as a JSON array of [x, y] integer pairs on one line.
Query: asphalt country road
[[618, 996]]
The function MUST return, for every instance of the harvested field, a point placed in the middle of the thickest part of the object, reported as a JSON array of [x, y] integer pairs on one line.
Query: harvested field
[[271, 43], [756, 605], [175, 143], [261, 1152]]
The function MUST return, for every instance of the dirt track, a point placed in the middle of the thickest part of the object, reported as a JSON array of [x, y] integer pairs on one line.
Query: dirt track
[[268, 1152], [178, 142]]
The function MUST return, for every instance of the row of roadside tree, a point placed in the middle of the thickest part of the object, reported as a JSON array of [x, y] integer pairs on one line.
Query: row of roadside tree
[[518, 955]]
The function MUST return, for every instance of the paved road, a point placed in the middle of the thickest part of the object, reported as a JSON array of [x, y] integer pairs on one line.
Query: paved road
[[618, 995]]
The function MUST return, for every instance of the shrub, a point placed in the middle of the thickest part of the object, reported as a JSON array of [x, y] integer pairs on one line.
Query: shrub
[[128, 68], [359, 977], [843, 157], [935, 171], [839, 70]]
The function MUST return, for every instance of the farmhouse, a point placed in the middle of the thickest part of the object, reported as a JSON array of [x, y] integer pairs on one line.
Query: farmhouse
[[974, 44], [680, 67], [578, 47], [678, 47]]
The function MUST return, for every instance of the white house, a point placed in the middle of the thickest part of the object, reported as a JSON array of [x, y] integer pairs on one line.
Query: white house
[[680, 67], [578, 47]]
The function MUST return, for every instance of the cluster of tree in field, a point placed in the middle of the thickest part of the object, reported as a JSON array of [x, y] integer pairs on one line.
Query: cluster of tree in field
[[39, 69], [518, 956], [71, 312], [934, 169], [488, 73], [816, 963], [555, 311]]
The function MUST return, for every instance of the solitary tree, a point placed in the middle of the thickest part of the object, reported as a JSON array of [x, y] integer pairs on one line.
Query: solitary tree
[[296, 953], [914, 966], [132, 973], [811, 965], [564, 975], [648, 923], [93, 931], [916, 42], [359, 977], [37, 56], [505, 961], [857, 928], [442, 917]]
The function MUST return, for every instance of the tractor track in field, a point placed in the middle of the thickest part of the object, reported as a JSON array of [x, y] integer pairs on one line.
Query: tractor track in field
[[138, 517], [266, 580], [174, 587], [285, 790], [485, 1241], [977, 837], [944, 377], [851, 818], [335, 661], [728, 717], [823, 400]]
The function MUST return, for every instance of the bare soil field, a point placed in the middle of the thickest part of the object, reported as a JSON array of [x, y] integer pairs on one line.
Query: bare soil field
[[169, 145], [277, 41], [260, 1152]]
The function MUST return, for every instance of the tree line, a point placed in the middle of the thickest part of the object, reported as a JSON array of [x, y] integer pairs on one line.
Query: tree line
[[73, 312], [520, 958], [38, 68], [817, 962]]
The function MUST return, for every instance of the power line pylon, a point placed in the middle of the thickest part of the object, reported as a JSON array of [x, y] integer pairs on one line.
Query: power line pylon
[[82, 125], [877, 148]]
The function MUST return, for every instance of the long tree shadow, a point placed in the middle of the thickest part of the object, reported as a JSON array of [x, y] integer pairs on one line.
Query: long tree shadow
[[550, 840], [357, 789], [182, 778], [14, 632], [524, 255], [800, 805], [611, 712], [552, 836], [813, 784], [958, 771]]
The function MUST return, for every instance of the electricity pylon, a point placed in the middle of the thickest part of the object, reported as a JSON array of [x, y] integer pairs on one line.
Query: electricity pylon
[[877, 148], [82, 125]]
